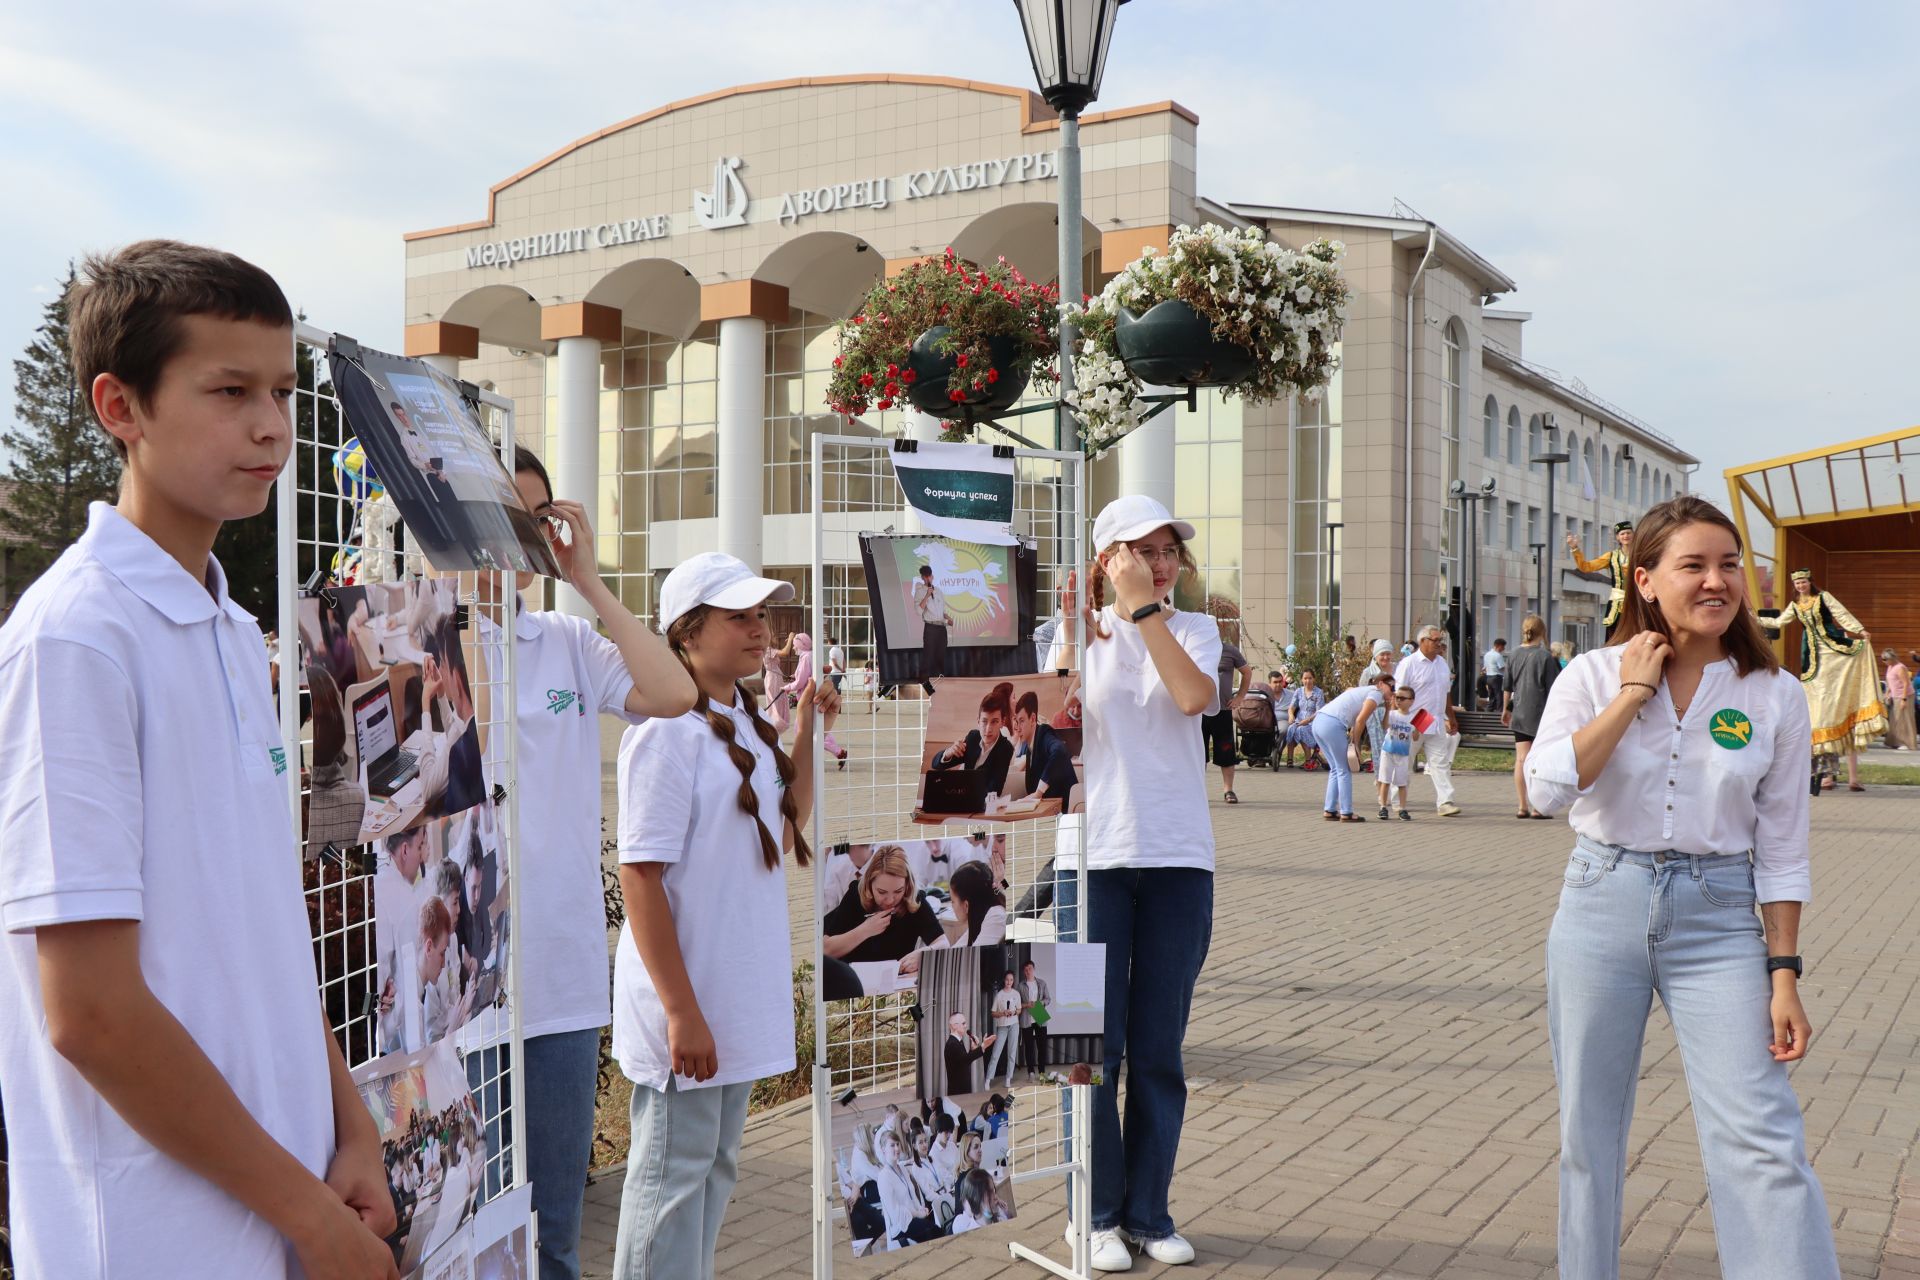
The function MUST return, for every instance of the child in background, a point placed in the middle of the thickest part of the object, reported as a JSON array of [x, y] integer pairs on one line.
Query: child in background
[[703, 994], [1396, 753]]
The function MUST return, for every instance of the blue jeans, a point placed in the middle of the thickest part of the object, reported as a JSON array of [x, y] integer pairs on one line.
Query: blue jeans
[[1156, 923], [1632, 925], [1066, 903], [681, 1169], [1331, 736], [561, 1083]]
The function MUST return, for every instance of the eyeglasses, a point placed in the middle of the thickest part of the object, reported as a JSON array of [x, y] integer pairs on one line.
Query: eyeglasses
[[1167, 555]]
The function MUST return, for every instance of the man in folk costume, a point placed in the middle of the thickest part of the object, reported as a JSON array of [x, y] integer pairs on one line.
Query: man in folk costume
[[1614, 563], [1836, 670]]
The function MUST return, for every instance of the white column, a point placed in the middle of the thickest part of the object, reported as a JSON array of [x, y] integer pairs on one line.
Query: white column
[[742, 413], [1146, 458], [576, 464], [449, 365]]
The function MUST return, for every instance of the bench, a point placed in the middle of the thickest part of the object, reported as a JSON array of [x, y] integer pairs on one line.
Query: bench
[[1483, 729]]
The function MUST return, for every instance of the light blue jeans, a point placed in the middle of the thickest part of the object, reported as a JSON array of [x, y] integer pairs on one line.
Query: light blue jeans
[[1332, 737], [1632, 925], [681, 1169], [1006, 1043], [563, 1076]]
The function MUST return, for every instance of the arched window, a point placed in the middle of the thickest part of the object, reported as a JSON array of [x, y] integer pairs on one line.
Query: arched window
[[1667, 488], [1533, 442], [1572, 471], [1619, 489], [1601, 479], [1644, 501], [1586, 455], [1513, 435], [1450, 402], [1490, 430]]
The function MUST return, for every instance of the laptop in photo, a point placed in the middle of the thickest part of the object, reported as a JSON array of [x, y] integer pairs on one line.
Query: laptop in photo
[[377, 736], [955, 791]]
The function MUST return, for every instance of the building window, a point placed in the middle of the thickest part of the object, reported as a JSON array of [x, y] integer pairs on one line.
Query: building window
[[1533, 525], [1206, 482], [1513, 435], [1586, 458], [1314, 581], [1513, 526], [1619, 489], [1449, 460], [1490, 430], [1533, 443]]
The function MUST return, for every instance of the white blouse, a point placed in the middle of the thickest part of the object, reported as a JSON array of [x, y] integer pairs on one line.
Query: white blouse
[[1730, 777]]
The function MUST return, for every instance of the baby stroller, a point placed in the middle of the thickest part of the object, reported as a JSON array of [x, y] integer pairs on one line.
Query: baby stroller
[[1259, 738]]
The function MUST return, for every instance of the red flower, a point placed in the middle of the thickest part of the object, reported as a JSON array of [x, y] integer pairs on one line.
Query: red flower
[[909, 376], [836, 362], [892, 388], [884, 405], [956, 395], [993, 375], [866, 379], [961, 362], [893, 371]]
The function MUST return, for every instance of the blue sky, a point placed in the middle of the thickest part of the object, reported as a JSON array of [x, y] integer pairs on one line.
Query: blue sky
[[1702, 202]]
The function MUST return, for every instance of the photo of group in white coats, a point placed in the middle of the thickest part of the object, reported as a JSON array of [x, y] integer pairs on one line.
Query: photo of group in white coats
[[910, 1171], [433, 1146]]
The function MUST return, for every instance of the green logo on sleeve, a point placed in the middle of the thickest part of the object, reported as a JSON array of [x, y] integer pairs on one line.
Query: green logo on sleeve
[[279, 757], [1731, 729]]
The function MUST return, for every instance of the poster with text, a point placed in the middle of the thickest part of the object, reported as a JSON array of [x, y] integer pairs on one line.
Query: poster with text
[[395, 742], [909, 1171], [433, 1145], [429, 448], [962, 490], [1001, 750], [943, 607]]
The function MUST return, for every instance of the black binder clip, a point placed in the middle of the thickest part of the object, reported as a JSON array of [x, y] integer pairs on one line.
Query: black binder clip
[[843, 847], [905, 444], [1003, 451], [462, 617], [499, 794], [342, 345], [846, 1099], [916, 1012]]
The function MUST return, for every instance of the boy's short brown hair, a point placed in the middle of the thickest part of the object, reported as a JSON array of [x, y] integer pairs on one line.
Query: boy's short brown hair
[[125, 309]]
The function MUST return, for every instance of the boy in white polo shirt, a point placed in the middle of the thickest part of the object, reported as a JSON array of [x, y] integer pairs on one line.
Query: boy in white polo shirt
[[179, 1107]]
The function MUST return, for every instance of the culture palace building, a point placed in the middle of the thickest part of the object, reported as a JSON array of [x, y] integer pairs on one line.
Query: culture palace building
[[660, 298]]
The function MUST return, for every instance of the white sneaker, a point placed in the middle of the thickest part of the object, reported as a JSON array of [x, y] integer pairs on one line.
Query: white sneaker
[[1172, 1250], [1449, 810]]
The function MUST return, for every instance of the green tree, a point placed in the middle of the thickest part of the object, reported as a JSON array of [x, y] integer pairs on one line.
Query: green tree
[[60, 459]]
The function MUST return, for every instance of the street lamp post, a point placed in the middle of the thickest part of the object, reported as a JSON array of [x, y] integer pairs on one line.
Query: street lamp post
[[1333, 621], [1469, 585], [1067, 40], [1539, 572], [1553, 457]]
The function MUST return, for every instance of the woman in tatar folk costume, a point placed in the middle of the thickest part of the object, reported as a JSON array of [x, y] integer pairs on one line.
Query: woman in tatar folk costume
[[1614, 562], [1836, 670]]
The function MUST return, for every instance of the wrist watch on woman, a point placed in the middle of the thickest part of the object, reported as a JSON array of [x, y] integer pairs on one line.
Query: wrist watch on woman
[[1777, 963], [1145, 611]]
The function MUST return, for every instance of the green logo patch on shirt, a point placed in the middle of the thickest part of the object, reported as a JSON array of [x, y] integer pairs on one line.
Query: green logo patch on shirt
[[558, 700], [1731, 729], [279, 757]]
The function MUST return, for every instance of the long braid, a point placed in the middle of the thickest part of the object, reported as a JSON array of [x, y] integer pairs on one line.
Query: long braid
[[722, 725]]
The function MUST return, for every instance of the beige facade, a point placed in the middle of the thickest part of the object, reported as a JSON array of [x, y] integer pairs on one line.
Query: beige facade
[[659, 299]]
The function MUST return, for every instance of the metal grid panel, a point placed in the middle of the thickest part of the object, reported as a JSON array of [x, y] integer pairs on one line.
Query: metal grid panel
[[316, 522], [867, 1045]]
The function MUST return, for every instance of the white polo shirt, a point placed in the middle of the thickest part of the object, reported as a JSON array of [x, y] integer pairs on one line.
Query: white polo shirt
[[680, 805], [567, 675], [142, 777]]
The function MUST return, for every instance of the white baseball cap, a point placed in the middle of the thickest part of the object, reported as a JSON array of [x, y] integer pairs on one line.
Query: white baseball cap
[[718, 579], [1134, 516]]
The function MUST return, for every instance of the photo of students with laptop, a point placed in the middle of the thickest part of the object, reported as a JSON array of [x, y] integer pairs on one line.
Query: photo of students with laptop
[[999, 751], [392, 709]]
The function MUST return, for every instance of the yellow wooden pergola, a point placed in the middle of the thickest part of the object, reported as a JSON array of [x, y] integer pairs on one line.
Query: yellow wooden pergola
[[1877, 476]]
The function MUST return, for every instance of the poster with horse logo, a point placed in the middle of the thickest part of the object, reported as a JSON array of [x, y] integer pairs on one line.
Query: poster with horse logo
[[943, 607]]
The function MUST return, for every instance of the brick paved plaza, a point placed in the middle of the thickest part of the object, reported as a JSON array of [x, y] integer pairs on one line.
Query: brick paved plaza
[[1372, 1094]]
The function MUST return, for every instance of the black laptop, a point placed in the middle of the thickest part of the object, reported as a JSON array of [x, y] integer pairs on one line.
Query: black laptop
[[378, 738], [955, 791]]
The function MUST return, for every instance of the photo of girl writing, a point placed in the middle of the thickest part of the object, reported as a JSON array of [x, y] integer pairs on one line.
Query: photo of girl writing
[[703, 996]]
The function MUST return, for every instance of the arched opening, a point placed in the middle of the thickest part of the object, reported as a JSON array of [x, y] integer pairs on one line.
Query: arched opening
[[824, 272], [506, 316], [1028, 237], [1490, 429]]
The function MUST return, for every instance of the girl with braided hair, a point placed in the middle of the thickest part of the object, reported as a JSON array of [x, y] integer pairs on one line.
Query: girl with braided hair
[[703, 978]]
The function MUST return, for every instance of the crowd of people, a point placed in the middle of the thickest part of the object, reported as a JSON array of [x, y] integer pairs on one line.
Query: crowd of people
[[915, 1178], [161, 992]]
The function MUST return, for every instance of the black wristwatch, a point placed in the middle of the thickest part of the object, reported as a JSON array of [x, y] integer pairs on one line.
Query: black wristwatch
[[1776, 963], [1146, 611]]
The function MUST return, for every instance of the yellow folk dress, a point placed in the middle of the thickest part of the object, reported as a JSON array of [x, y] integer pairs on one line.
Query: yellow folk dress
[[1842, 687]]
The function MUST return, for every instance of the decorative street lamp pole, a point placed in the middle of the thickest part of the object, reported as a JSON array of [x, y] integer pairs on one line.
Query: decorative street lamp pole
[[1067, 40], [1553, 458]]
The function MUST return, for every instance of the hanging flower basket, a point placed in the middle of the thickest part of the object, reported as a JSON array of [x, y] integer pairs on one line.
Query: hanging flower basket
[[1171, 344], [937, 373], [956, 340], [1220, 308]]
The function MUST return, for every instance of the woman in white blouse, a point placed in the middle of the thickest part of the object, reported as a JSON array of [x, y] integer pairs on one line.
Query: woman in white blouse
[[1680, 751]]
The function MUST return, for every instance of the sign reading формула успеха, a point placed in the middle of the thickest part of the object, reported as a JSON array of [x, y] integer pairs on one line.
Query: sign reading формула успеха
[[725, 205]]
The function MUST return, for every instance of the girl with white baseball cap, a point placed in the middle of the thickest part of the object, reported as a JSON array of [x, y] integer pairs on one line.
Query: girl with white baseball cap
[[1148, 677], [703, 977]]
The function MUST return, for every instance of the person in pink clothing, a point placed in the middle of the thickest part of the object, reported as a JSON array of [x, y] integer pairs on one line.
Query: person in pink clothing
[[802, 643], [1900, 726], [774, 681]]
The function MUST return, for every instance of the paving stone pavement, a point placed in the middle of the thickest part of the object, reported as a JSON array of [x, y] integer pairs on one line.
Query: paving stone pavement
[[1371, 1088]]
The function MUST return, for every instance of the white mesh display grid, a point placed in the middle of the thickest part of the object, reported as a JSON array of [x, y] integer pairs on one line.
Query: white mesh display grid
[[867, 1045]]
